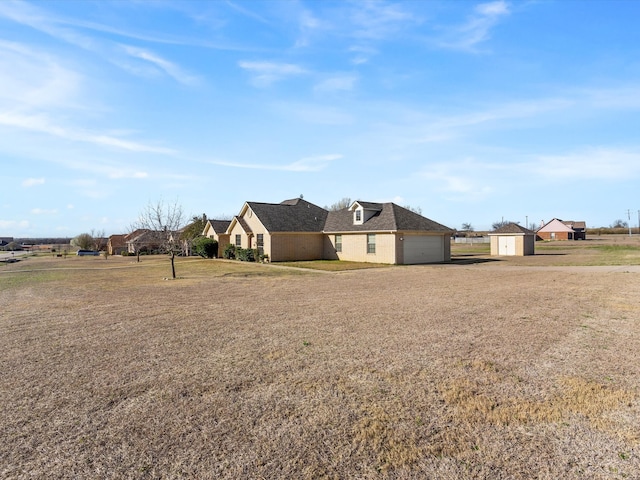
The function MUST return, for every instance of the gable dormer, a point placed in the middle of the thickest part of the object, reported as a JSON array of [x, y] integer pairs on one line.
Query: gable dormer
[[363, 211]]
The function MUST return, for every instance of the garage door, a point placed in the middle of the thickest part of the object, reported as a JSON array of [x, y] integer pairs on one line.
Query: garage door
[[423, 249], [506, 245]]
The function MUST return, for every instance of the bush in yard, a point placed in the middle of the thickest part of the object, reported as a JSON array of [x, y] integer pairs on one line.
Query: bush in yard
[[205, 247], [246, 254], [229, 252]]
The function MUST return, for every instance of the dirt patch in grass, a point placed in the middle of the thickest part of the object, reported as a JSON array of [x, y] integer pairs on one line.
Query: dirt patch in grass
[[248, 371]]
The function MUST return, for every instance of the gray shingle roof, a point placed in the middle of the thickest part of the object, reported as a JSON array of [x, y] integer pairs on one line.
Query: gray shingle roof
[[514, 228], [295, 215], [572, 224], [220, 226], [370, 205], [390, 217]]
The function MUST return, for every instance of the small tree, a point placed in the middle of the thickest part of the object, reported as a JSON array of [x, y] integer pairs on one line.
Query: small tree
[[165, 221], [84, 241], [467, 227]]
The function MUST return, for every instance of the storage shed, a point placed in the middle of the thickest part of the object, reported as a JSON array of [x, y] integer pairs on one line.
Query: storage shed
[[512, 239]]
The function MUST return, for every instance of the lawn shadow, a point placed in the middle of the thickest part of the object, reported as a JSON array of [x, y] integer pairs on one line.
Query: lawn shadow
[[471, 259]]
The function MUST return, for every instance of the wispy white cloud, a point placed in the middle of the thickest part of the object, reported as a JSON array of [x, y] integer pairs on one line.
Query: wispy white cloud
[[30, 79], [267, 73], [246, 12], [462, 180], [43, 124], [362, 54], [378, 20], [315, 113], [307, 24], [32, 182], [44, 211], [169, 68], [14, 225], [69, 31], [594, 163], [336, 83], [308, 164], [477, 29]]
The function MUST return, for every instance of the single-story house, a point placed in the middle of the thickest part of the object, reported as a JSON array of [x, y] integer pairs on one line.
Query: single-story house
[[295, 230], [286, 231], [143, 240], [557, 229], [217, 229], [513, 239], [385, 233]]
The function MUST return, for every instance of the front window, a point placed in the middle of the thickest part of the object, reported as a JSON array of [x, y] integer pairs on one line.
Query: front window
[[358, 215], [260, 243], [371, 243], [338, 243], [238, 240]]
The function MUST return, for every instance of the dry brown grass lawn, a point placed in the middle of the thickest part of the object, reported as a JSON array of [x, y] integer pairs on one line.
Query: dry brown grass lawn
[[488, 370]]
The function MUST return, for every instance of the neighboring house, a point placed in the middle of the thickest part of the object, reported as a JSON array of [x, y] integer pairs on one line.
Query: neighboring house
[[217, 229], [295, 230], [143, 240], [579, 229], [557, 229], [116, 244], [385, 233], [512, 239], [286, 231]]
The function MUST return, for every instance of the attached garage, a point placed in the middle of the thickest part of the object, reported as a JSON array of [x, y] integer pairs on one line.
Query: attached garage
[[512, 240], [424, 249]]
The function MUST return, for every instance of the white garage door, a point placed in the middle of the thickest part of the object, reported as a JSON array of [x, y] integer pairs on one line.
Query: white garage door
[[506, 245], [423, 249]]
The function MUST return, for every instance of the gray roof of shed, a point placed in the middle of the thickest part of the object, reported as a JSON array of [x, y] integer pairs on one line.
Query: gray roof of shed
[[295, 215], [389, 217], [513, 228]]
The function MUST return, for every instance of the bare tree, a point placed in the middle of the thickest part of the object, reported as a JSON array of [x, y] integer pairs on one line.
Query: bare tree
[[502, 223], [165, 221], [99, 240], [417, 210], [340, 204]]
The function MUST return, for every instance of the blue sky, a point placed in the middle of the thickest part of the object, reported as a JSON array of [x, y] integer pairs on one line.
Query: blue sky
[[471, 111]]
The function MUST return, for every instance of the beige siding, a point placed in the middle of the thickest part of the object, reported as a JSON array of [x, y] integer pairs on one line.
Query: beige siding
[[354, 248], [238, 230], [285, 247], [525, 244], [222, 239]]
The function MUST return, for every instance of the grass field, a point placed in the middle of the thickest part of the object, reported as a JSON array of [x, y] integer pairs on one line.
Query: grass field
[[509, 368]]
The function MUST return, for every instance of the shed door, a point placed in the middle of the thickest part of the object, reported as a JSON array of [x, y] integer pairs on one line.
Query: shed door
[[506, 245], [423, 249]]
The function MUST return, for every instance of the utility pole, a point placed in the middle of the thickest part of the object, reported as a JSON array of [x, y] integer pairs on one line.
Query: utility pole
[[638, 222], [629, 218]]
